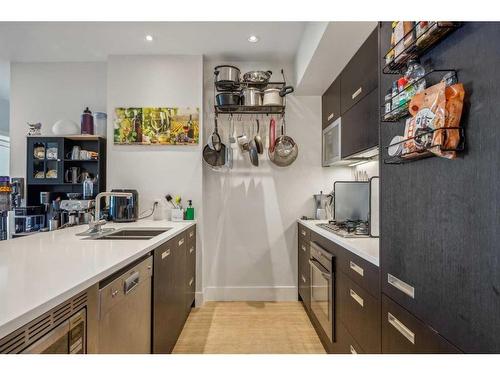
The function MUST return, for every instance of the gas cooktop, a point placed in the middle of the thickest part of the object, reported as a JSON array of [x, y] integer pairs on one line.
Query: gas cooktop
[[347, 228]]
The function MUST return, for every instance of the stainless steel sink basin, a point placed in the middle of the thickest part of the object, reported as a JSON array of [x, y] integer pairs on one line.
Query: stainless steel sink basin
[[131, 234]]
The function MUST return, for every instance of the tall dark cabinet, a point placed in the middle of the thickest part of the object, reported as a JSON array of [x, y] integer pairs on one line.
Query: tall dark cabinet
[[440, 252]]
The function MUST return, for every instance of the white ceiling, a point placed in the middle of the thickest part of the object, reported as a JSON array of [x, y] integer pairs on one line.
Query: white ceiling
[[94, 41]]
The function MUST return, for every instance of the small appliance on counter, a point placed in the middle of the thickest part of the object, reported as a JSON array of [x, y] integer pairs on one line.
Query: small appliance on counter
[[322, 204], [124, 209], [28, 219], [74, 212], [355, 214]]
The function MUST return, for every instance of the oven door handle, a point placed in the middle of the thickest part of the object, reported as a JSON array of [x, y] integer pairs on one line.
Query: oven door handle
[[48, 339], [320, 268]]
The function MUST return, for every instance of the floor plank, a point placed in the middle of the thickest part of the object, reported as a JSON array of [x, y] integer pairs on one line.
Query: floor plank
[[249, 327]]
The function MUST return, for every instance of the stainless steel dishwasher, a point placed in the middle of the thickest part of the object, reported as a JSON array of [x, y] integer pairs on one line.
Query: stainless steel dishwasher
[[125, 310]]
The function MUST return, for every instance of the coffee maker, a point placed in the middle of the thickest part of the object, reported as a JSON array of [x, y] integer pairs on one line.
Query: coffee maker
[[322, 206], [75, 211]]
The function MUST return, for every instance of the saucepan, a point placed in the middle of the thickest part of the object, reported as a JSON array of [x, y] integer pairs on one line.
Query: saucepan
[[285, 150], [274, 96]]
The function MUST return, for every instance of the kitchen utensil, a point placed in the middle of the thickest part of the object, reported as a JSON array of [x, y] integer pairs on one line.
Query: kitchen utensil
[[214, 142], [213, 157], [232, 133], [285, 149], [227, 77], [257, 76], [253, 153], [228, 98], [65, 127], [229, 157], [251, 96], [75, 153], [272, 135], [274, 96], [258, 139]]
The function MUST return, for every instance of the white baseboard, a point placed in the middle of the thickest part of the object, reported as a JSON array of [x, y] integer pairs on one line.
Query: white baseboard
[[273, 293]]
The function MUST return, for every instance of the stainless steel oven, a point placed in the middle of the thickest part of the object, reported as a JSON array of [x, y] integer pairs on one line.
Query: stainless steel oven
[[69, 337], [322, 288]]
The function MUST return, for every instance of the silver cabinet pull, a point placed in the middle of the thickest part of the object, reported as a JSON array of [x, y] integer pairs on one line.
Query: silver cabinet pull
[[356, 268], [353, 351], [404, 330], [303, 248], [191, 281], [330, 116], [356, 297], [165, 254], [191, 234], [191, 250], [131, 282], [181, 241], [401, 285], [303, 278], [303, 232], [114, 293], [356, 93]]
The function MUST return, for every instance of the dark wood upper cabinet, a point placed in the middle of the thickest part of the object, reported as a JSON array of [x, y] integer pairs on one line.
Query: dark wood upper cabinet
[[359, 130], [330, 103], [360, 76]]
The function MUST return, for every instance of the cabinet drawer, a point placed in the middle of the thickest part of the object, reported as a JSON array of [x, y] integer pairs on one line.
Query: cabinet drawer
[[360, 126], [360, 313], [304, 233], [304, 249], [364, 273], [344, 342], [360, 76], [191, 235], [403, 333]]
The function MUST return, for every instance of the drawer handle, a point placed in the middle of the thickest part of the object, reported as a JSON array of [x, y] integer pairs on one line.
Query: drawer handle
[[303, 232], [353, 351], [165, 254], [191, 281], [191, 250], [356, 93], [114, 293], [191, 234], [401, 285], [356, 297], [304, 248], [356, 268], [330, 116], [404, 330], [181, 241], [303, 279]]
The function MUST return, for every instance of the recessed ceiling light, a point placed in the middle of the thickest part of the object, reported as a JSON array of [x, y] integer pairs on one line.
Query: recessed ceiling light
[[149, 38], [253, 38]]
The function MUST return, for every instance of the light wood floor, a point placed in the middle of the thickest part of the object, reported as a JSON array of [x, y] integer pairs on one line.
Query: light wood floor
[[249, 327]]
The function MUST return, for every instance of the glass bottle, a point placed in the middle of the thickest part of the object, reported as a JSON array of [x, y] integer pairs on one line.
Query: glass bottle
[[88, 188]]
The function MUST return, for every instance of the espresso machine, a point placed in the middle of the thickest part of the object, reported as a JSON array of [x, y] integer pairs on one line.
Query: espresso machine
[[322, 206], [75, 212]]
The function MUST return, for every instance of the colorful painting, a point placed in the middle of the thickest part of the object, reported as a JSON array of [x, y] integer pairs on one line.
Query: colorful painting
[[157, 126]]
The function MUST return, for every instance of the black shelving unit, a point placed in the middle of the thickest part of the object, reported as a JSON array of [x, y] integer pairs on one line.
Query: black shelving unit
[[419, 45], [46, 170]]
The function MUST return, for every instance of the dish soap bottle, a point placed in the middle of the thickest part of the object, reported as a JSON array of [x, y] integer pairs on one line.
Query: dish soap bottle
[[190, 211]]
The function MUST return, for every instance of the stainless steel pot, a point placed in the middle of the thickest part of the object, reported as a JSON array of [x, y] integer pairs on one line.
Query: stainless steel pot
[[228, 98], [257, 76], [251, 96], [227, 77]]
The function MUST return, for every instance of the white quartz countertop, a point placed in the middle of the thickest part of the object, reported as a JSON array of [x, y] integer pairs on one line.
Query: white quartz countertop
[[366, 248], [40, 271]]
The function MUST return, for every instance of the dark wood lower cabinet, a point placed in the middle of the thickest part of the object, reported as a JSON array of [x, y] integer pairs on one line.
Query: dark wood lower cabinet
[[304, 273], [403, 333], [174, 266]]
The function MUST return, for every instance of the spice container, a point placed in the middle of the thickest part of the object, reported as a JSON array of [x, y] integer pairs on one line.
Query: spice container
[[388, 101]]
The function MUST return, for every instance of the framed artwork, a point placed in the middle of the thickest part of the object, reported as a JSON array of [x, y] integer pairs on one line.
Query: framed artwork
[[157, 126]]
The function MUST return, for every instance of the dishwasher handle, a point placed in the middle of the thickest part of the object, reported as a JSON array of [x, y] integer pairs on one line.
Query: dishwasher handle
[[131, 282]]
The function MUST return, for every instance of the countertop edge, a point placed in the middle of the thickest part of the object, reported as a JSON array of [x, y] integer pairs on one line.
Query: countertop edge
[[341, 241], [19, 321]]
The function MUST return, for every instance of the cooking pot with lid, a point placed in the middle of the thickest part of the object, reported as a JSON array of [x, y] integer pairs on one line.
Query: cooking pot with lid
[[251, 96], [227, 77], [274, 96]]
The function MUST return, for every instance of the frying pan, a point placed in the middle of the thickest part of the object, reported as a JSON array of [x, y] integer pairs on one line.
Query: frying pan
[[285, 149], [213, 157]]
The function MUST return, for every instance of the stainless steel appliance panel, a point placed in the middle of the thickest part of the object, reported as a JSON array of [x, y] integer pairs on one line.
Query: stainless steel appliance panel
[[322, 288], [352, 200], [125, 311], [331, 143]]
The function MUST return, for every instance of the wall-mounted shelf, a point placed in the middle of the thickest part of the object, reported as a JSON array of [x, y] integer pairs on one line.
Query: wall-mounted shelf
[[402, 110], [424, 151], [250, 110], [419, 45]]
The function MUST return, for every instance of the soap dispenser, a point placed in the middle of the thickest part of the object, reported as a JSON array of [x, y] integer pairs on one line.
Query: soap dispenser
[[190, 211]]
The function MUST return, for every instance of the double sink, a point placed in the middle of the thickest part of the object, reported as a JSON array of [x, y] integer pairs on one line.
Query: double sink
[[129, 234]]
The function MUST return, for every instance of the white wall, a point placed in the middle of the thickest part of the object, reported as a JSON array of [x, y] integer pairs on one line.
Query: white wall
[[156, 170], [47, 92], [250, 229]]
